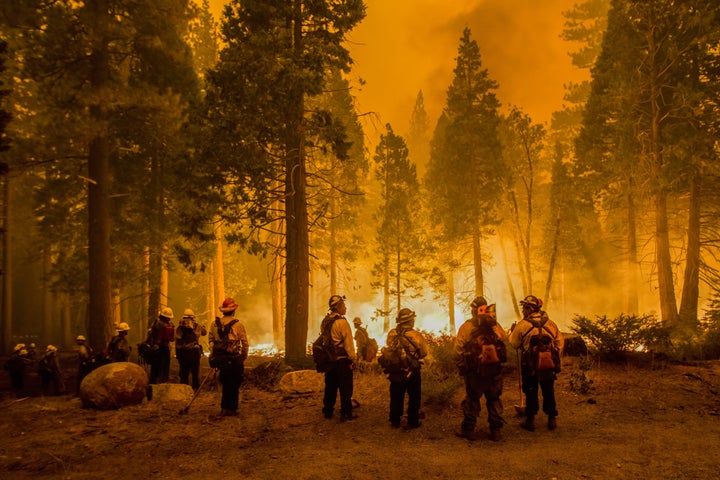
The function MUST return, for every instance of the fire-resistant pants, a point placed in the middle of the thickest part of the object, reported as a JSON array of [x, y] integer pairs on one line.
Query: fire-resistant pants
[[231, 377], [411, 385], [339, 378], [531, 384], [189, 364], [476, 386], [160, 365]]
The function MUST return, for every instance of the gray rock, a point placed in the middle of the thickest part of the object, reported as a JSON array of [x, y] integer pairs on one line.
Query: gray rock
[[113, 386], [302, 382], [170, 394]]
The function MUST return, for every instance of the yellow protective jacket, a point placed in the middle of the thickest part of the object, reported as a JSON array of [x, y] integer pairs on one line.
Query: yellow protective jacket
[[465, 336], [342, 337], [237, 335], [520, 336]]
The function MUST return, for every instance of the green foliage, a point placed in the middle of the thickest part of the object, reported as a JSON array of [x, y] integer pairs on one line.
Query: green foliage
[[466, 156], [710, 330], [401, 245], [441, 381], [613, 338]]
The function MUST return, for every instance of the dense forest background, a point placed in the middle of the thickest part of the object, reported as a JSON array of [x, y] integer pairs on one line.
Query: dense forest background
[[154, 155]]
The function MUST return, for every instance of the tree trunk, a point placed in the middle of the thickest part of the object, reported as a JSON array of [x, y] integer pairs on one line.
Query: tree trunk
[[99, 308], [478, 262], [691, 279], [277, 290], [451, 300], [508, 278], [553, 258], [333, 245], [386, 295], [48, 326], [398, 282], [633, 304], [296, 216], [7, 324], [219, 266], [668, 305]]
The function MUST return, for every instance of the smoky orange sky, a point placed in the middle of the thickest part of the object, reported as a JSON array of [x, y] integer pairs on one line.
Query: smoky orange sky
[[404, 46]]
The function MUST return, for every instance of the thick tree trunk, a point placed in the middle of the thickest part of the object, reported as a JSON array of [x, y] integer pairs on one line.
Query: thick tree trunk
[[691, 279], [100, 311], [7, 324], [666, 289], [296, 216]]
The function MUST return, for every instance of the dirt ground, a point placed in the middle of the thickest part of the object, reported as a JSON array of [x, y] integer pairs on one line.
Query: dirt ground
[[635, 423]]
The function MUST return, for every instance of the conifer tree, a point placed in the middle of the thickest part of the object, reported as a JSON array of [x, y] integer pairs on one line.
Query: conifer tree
[[466, 174]]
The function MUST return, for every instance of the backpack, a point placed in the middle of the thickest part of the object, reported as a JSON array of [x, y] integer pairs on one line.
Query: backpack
[[399, 356], [324, 351], [484, 353], [542, 356], [225, 352]]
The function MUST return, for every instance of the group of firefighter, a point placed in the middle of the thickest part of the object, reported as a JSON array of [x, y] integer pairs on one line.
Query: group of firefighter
[[187, 348], [229, 350], [482, 368]]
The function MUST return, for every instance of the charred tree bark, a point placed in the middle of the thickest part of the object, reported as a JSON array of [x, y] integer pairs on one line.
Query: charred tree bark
[[296, 216], [100, 311], [7, 324], [691, 279]]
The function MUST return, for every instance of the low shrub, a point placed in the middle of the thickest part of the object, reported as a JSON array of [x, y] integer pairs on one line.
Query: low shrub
[[615, 338]]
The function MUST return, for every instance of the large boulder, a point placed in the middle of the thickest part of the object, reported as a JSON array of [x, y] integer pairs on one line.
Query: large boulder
[[302, 382], [113, 386]]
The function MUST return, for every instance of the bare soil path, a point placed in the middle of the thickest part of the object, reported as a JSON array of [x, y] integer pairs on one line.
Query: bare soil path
[[635, 423]]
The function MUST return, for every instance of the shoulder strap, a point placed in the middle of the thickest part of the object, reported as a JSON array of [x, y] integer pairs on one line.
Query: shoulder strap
[[227, 328]]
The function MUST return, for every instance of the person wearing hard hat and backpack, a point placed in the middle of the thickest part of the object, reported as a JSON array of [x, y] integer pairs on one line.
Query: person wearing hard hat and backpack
[[405, 378], [119, 348], [84, 360], [49, 371], [188, 349], [160, 334], [229, 349], [339, 375], [541, 344], [480, 353]]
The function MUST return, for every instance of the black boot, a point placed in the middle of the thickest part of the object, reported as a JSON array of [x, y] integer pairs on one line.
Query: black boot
[[529, 423], [552, 422]]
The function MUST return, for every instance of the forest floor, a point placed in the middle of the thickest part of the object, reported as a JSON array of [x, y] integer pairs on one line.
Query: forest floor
[[660, 423]]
